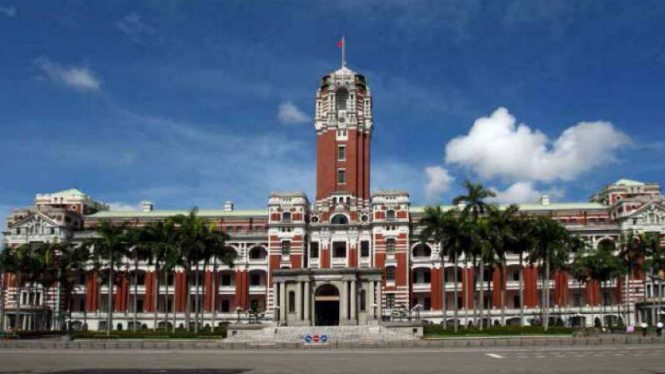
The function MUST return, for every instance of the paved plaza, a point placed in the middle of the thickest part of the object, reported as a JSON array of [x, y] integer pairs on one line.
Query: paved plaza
[[605, 359]]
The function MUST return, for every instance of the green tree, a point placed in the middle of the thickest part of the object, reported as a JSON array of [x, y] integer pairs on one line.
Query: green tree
[[502, 224], [631, 252], [111, 245], [550, 250], [433, 223], [138, 240], [523, 242], [653, 264], [475, 206], [71, 264]]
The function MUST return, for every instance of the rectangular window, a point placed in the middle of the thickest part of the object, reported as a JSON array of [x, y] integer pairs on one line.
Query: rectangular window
[[427, 305], [390, 274], [341, 176], [364, 248], [226, 306], [226, 279], [341, 153], [390, 301], [516, 301], [286, 248], [390, 246], [314, 250], [255, 280], [339, 249]]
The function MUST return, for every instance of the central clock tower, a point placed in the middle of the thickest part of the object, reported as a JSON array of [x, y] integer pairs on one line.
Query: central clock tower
[[343, 124]]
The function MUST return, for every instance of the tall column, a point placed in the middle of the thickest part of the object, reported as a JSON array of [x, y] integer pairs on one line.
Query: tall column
[[372, 299], [282, 301], [298, 301], [379, 300], [354, 298], [308, 302], [275, 301], [343, 304]]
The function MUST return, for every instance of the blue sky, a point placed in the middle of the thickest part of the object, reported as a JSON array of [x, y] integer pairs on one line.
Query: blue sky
[[190, 103]]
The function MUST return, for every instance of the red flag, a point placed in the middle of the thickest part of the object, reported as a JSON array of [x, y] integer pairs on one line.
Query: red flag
[[340, 44]]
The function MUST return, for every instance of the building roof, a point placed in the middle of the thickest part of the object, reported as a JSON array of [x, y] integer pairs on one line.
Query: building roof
[[628, 182], [69, 192], [129, 214], [532, 207]]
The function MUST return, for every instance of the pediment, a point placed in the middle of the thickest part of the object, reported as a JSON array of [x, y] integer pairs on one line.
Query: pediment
[[652, 213], [36, 219]]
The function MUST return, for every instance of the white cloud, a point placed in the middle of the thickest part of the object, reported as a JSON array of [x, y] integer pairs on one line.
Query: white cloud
[[118, 205], [289, 114], [8, 11], [80, 78], [438, 182], [497, 147], [131, 24], [520, 192]]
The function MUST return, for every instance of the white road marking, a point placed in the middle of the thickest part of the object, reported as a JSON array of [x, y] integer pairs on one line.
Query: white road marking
[[494, 355]]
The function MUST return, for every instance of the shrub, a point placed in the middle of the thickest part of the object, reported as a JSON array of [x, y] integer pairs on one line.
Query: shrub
[[220, 332], [438, 329]]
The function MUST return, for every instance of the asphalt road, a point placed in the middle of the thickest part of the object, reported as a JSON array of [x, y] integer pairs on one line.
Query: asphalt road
[[603, 359]]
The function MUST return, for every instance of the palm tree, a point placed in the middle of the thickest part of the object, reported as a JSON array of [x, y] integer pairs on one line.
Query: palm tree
[[191, 243], [45, 272], [582, 268], [138, 238], [18, 262], [475, 206], [433, 225], [112, 246], [502, 238], [653, 264], [631, 252], [474, 199], [454, 238], [218, 251], [5, 268], [551, 247], [71, 264], [522, 242], [162, 240]]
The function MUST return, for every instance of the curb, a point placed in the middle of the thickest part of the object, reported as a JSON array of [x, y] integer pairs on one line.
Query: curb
[[415, 344]]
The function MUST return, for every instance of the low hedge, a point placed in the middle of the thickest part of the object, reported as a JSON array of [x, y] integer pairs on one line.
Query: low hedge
[[29, 334], [152, 334], [437, 329]]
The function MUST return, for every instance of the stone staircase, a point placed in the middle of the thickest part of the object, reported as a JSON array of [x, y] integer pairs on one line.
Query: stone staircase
[[296, 334]]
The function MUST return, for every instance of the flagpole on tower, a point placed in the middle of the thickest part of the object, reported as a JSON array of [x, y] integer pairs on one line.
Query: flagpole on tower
[[343, 51]]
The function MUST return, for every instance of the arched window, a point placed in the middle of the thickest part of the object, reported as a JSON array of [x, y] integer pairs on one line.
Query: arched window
[[341, 97], [390, 215], [286, 217], [339, 219], [422, 250], [257, 253]]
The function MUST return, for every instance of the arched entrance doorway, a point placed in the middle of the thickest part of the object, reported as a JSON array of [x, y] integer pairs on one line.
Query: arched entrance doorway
[[326, 305]]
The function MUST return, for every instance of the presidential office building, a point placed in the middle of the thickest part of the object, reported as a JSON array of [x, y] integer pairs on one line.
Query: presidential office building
[[347, 257]]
